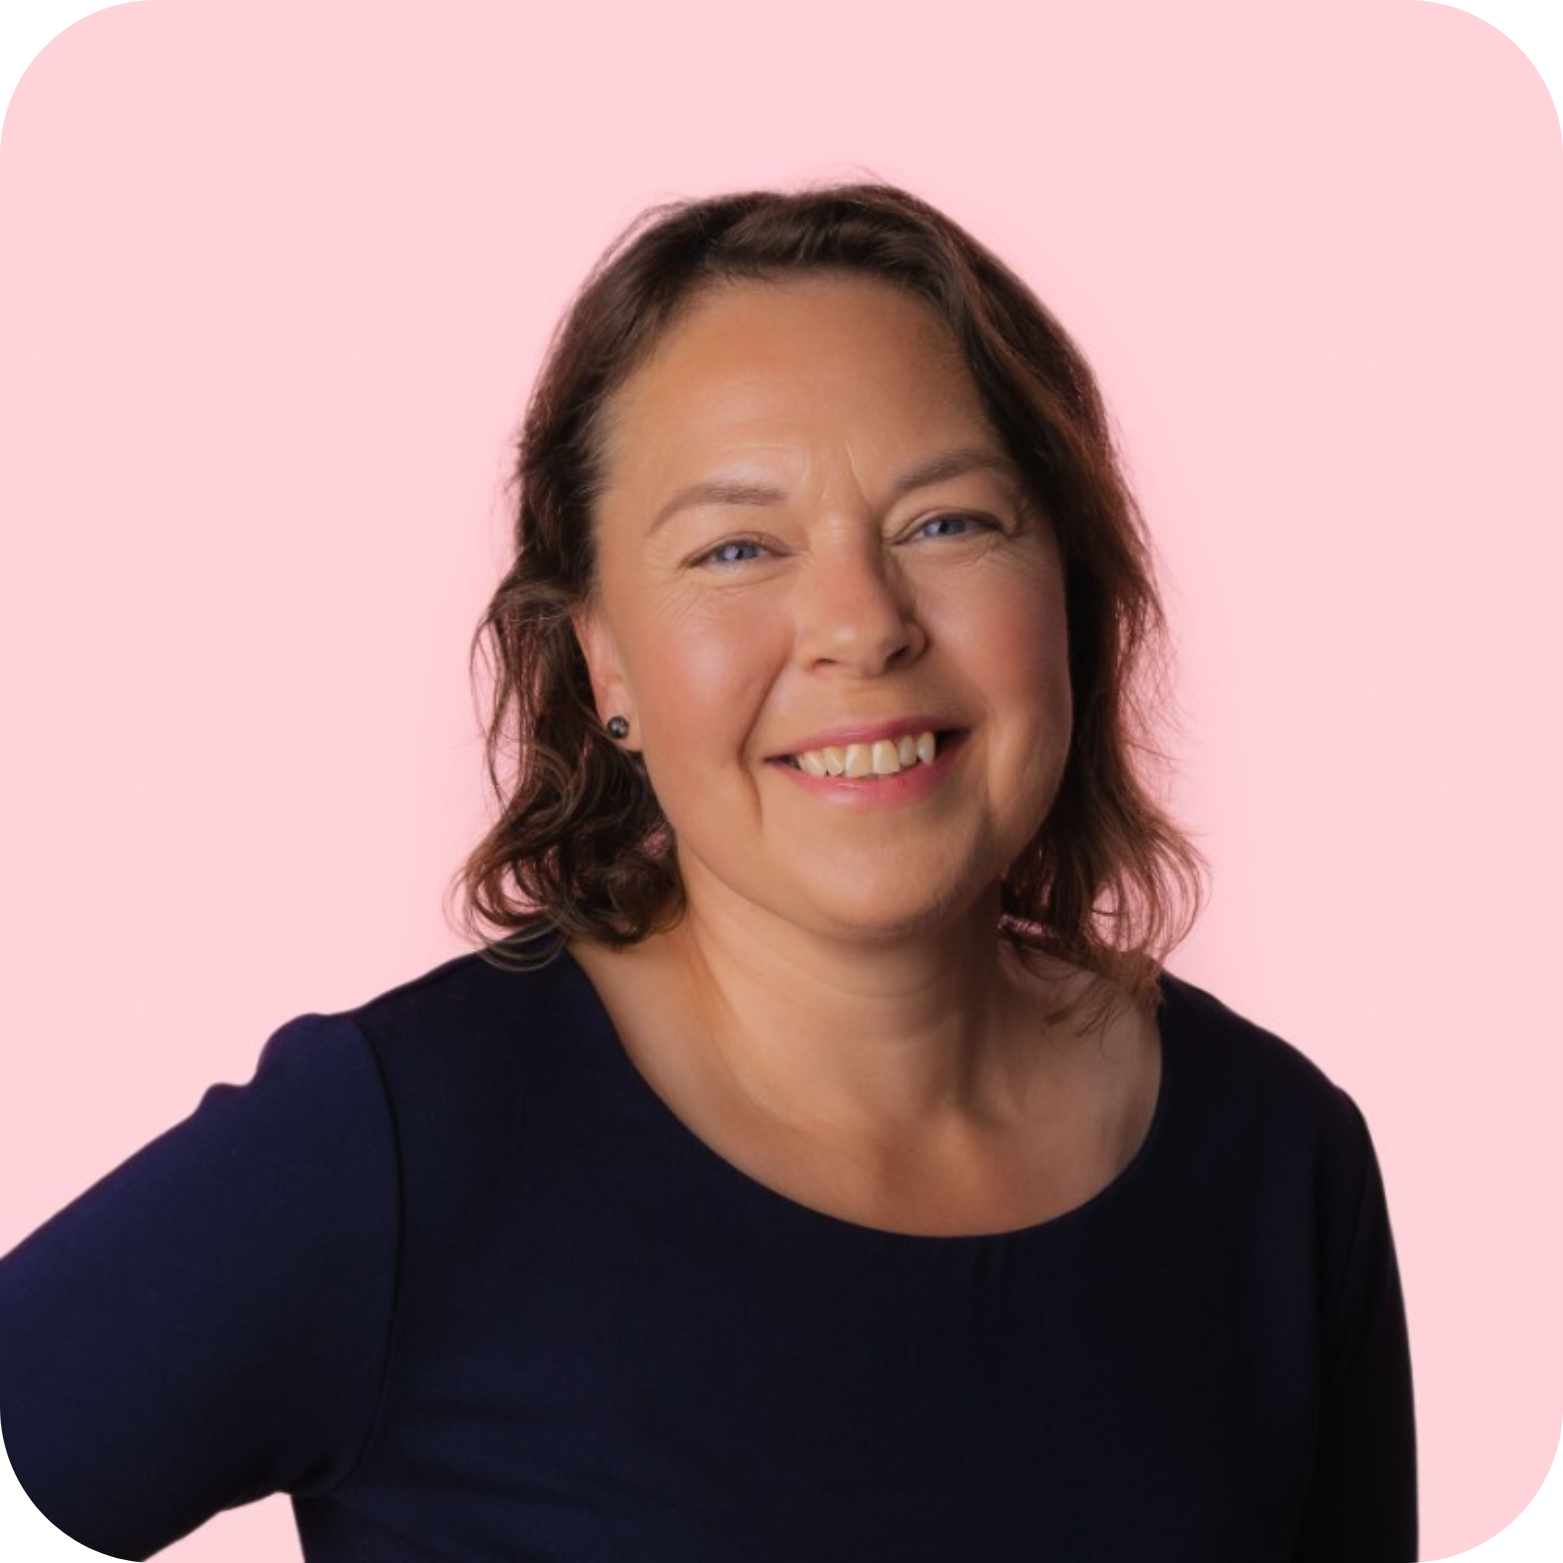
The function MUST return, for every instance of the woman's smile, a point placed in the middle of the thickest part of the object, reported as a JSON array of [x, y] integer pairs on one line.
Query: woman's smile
[[875, 771]]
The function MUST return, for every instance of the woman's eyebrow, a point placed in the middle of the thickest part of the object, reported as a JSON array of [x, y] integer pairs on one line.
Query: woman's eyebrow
[[932, 469]]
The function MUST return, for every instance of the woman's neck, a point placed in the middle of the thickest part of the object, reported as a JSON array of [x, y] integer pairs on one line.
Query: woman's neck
[[857, 1037]]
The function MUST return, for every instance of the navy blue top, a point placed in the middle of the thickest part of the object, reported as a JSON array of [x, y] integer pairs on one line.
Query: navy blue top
[[450, 1273]]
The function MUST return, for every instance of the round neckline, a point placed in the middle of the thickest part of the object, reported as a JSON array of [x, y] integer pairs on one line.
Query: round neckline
[[762, 1193]]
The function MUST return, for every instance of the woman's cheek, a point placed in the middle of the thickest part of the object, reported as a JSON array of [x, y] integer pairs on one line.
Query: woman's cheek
[[710, 670]]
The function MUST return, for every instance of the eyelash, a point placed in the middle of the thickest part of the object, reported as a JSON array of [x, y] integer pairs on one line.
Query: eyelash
[[709, 557]]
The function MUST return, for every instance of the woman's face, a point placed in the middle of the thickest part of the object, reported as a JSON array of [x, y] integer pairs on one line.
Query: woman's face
[[811, 539]]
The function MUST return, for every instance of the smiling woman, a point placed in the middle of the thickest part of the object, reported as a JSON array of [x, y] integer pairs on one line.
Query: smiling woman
[[860, 604], [816, 1160], [1107, 883]]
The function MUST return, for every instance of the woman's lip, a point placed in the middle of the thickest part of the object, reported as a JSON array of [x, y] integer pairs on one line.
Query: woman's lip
[[867, 733], [915, 782]]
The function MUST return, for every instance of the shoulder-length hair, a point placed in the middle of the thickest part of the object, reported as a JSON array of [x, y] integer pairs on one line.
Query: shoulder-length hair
[[581, 848]]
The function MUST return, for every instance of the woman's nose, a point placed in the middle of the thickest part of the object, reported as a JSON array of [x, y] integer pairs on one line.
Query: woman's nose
[[856, 612]]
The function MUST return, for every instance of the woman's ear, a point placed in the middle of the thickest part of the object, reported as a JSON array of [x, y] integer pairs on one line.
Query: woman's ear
[[604, 665]]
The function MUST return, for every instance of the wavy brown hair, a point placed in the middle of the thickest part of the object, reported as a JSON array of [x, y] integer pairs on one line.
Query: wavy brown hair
[[581, 848]]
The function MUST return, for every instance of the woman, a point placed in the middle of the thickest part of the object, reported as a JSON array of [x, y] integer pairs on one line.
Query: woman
[[822, 1164]]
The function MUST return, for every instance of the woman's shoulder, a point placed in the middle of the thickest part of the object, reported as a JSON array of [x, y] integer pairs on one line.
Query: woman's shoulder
[[500, 996], [1263, 1134], [472, 1036], [1249, 1079]]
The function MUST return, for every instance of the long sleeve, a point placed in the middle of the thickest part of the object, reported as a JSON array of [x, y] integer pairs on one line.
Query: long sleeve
[[1362, 1503], [210, 1322]]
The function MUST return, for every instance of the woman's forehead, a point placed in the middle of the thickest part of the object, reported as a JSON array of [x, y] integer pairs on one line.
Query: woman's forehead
[[813, 325], [766, 368]]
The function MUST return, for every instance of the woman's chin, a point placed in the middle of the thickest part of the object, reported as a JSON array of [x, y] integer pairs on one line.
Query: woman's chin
[[873, 915]]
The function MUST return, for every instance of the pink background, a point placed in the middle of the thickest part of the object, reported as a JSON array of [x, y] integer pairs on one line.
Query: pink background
[[274, 281]]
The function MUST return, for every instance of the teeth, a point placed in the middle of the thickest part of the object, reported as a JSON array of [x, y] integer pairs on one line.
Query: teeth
[[884, 757]]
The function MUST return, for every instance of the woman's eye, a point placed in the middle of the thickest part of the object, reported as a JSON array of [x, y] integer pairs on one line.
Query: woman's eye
[[739, 551], [949, 526]]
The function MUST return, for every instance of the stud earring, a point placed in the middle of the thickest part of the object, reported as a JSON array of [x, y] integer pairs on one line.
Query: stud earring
[[618, 728]]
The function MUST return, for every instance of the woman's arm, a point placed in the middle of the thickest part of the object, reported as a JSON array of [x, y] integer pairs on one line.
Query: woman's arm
[[1362, 1505], [210, 1322]]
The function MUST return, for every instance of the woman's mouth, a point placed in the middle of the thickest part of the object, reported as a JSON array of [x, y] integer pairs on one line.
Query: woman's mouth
[[863, 761]]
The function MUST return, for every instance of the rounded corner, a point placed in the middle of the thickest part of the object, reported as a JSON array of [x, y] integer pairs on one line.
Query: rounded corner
[[35, 52], [1527, 53]]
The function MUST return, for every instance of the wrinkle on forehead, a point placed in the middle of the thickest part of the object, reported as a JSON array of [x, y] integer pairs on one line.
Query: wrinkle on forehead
[[727, 389]]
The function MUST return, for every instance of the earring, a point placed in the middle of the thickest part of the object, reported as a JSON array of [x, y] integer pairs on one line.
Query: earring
[[618, 728]]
